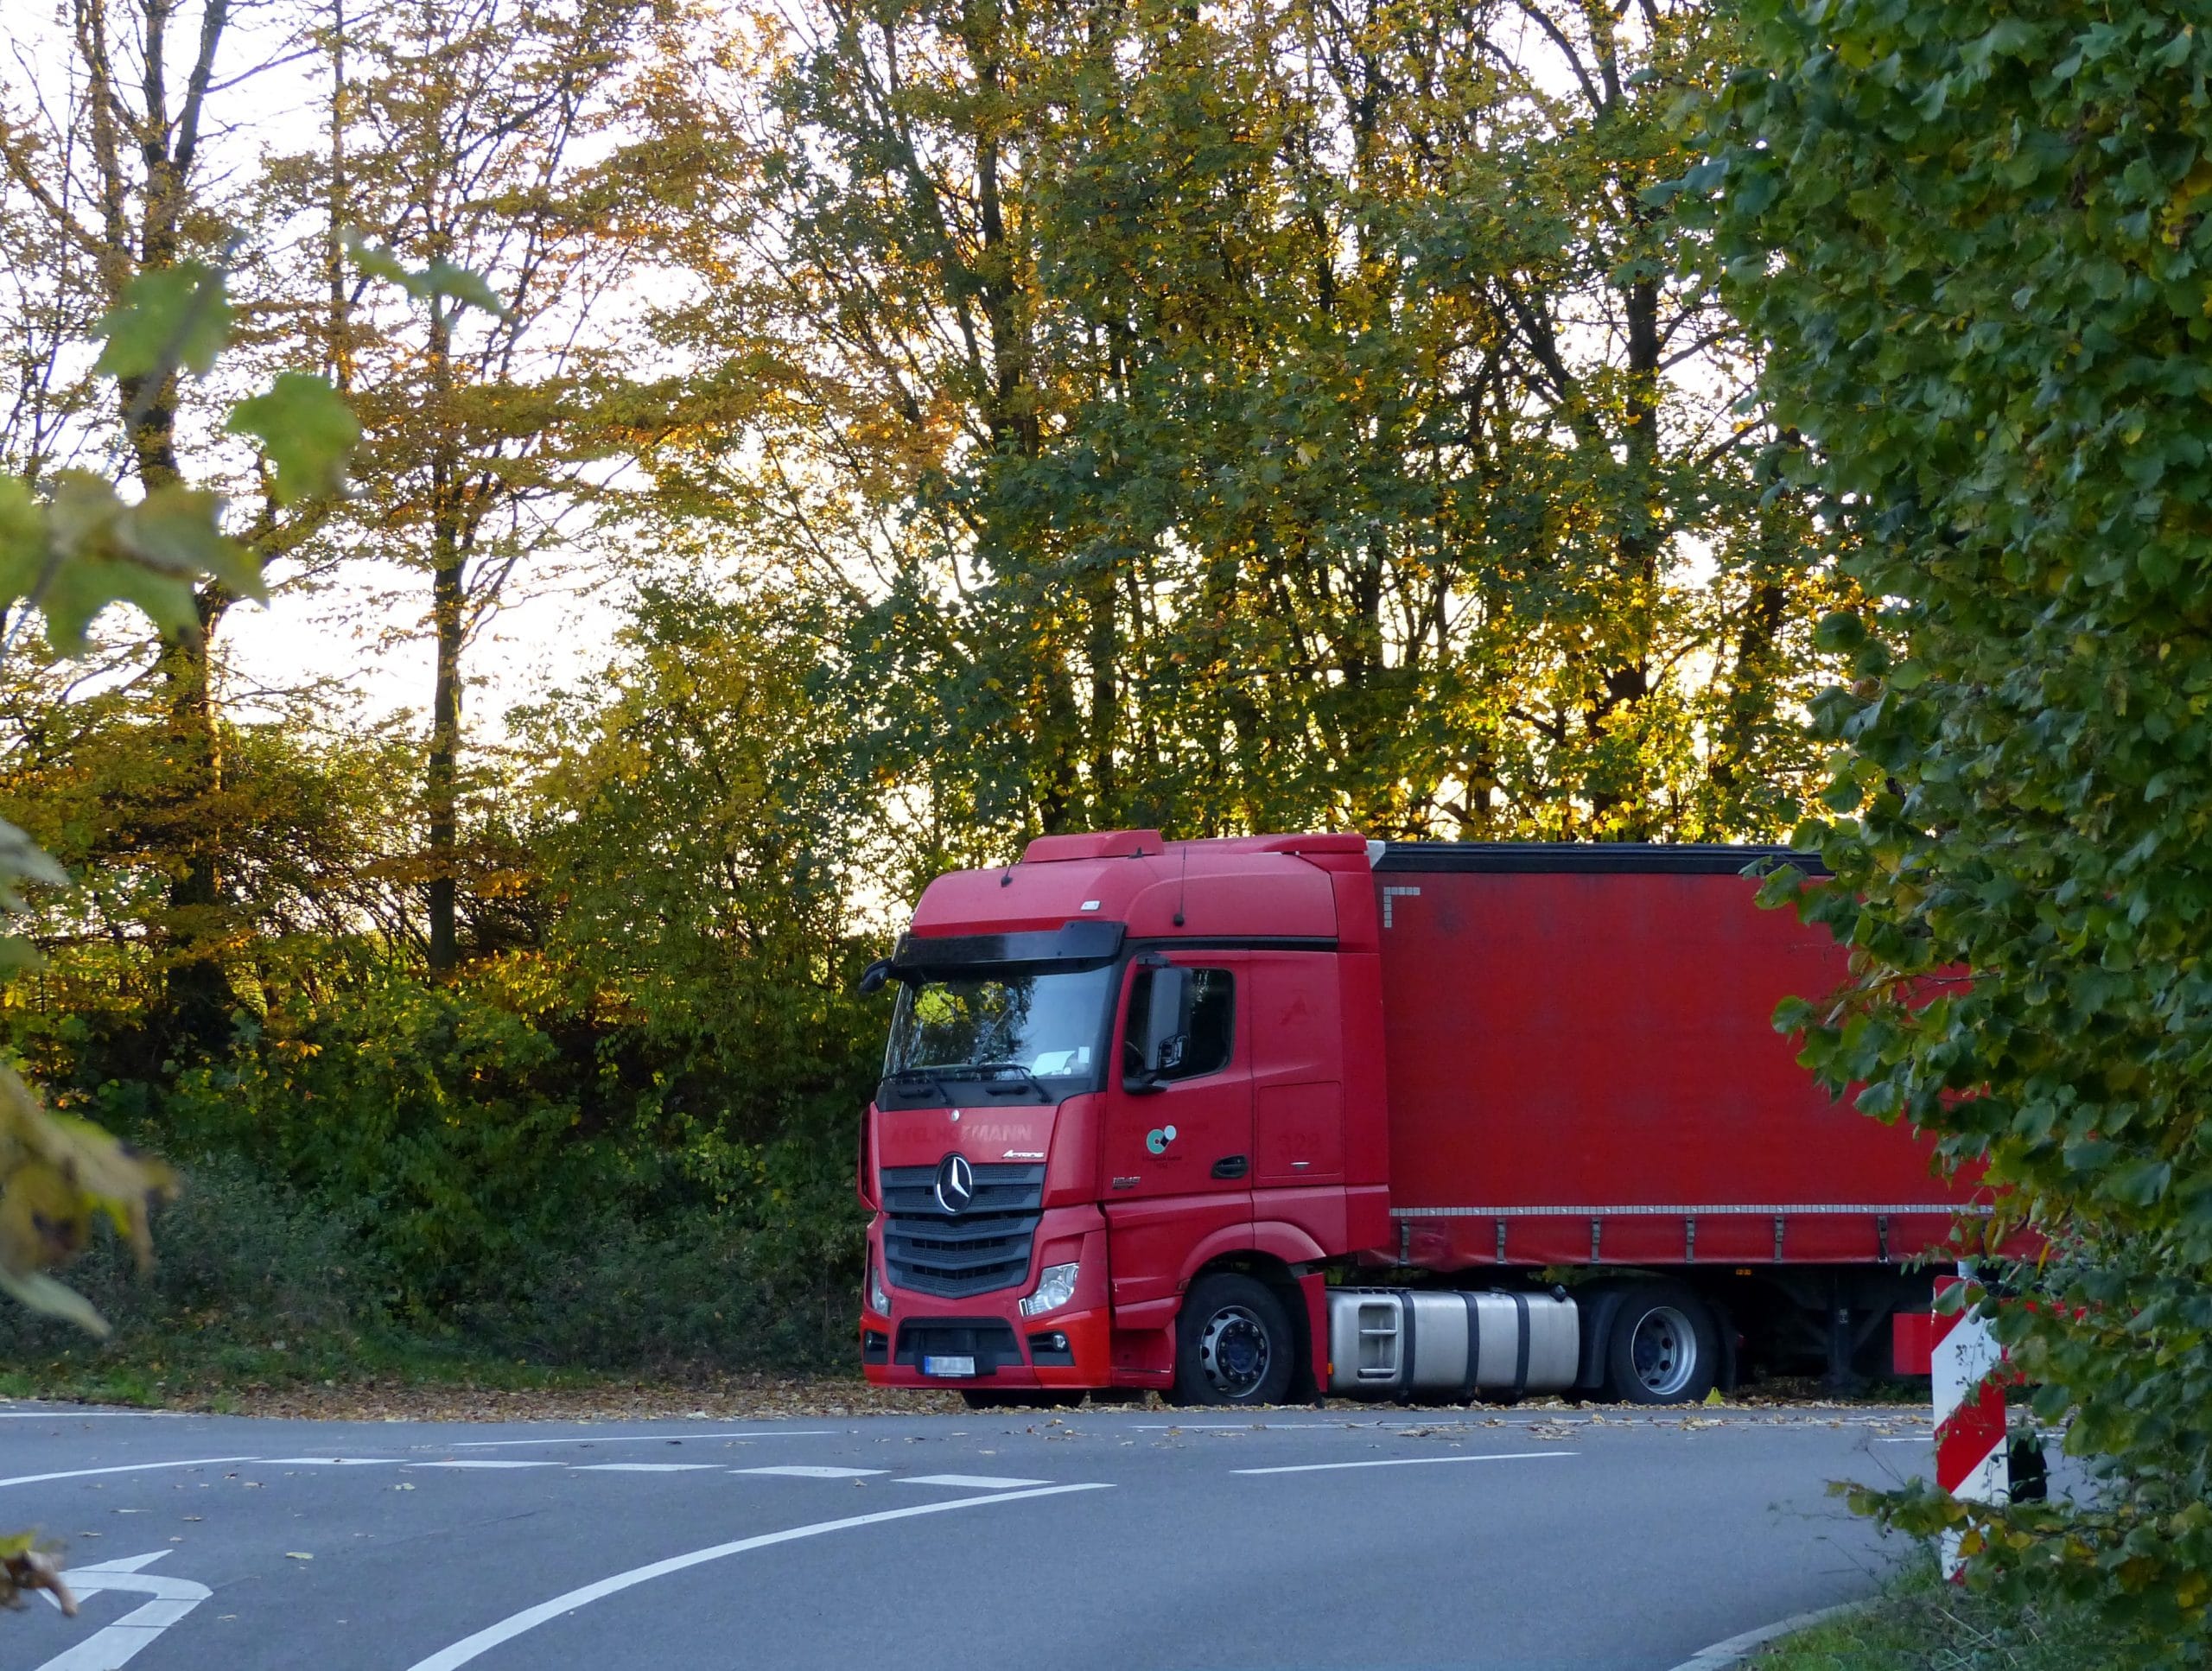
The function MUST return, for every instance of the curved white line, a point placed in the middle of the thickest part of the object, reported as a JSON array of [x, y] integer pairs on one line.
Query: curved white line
[[126, 1468], [1409, 1462], [642, 1439], [1734, 1651], [446, 1659]]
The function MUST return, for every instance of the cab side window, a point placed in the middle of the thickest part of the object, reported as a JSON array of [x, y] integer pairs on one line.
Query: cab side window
[[1211, 1038]]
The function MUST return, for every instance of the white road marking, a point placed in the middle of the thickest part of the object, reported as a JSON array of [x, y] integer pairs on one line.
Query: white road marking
[[1287, 1427], [978, 1482], [72, 1412], [1411, 1462], [124, 1468], [1348, 1422], [449, 1659], [805, 1471], [485, 1462], [644, 1438], [114, 1645], [641, 1467]]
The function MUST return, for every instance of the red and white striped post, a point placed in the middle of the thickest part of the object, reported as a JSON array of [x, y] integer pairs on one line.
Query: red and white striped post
[[1970, 1428]]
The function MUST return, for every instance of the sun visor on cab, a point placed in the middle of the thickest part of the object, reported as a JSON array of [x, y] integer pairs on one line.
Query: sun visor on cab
[[1071, 945]]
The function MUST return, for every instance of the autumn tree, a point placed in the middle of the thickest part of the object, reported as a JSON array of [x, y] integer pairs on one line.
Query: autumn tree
[[1281, 416], [106, 180], [486, 140]]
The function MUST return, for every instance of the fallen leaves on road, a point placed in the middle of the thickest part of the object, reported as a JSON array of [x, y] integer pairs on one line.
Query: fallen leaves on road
[[709, 1397], [716, 1398]]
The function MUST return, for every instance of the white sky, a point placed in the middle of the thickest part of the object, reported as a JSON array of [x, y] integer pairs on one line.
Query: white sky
[[367, 628], [529, 647]]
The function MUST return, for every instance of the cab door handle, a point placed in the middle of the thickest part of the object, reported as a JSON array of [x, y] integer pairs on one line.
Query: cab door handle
[[1232, 1166]]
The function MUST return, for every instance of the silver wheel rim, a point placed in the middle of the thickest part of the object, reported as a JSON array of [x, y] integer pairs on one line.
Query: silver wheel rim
[[1662, 1352], [1233, 1352]]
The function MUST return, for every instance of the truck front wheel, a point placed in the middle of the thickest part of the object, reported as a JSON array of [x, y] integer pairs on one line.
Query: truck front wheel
[[1664, 1347], [1233, 1344]]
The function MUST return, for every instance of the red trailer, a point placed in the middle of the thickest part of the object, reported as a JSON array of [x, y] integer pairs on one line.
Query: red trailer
[[1247, 1120]]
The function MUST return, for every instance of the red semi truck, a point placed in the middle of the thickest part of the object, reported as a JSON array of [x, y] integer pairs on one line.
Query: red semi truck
[[1257, 1119]]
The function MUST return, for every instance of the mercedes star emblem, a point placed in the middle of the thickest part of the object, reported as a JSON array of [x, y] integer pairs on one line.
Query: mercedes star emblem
[[956, 1184]]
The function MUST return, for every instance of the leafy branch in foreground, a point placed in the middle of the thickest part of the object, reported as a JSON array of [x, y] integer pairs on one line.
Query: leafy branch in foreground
[[1979, 247], [67, 556]]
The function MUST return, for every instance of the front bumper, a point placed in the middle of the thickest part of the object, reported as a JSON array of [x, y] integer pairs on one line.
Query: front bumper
[[1069, 1347]]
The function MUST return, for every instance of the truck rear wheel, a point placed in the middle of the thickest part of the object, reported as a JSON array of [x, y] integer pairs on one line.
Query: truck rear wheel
[[1664, 1347], [1233, 1344]]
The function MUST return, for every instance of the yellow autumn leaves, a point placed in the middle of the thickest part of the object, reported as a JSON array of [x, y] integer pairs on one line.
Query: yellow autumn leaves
[[59, 1176]]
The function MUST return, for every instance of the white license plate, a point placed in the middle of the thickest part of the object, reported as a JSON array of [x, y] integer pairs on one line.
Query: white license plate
[[949, 1366]]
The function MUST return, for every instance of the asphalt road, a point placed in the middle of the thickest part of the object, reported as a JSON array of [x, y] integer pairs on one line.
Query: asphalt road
[[1119, 1539]]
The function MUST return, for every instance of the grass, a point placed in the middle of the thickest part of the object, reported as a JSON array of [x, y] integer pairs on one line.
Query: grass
[[1921, 1623], [148, 1369], [258, 1291]]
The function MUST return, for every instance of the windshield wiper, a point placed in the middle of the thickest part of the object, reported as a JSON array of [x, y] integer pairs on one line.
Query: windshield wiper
[[990, 1072], [997, 1079]]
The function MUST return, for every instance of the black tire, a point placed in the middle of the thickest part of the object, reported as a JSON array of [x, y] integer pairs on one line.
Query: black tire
[[1663, 1347], [1233, 1344]]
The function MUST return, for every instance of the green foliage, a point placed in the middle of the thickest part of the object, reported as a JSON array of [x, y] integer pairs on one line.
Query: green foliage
[[170, 317], [700, 849], [87, 547], [100, 549], [1189, 409], [624, 1139], [383, 1160], [431, 1114], [1979, 247], [435, 282], [307, 429]]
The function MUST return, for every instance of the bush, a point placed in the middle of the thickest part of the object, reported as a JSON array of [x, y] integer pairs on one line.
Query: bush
[[699, 1291], [242, 1258], [454, 1168]]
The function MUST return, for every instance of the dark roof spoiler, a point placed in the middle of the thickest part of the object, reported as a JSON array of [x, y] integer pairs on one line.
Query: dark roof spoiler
[[1586, 858], [1086, 940]]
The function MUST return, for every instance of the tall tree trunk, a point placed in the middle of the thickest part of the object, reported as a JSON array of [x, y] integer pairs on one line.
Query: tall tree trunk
[[447, 555], [196, 985], [444, 771], [340, 349], [1104, 656]]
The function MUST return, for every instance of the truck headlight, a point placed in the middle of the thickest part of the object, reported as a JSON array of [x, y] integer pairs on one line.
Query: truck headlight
[[876, 1297], [1055, 1287]]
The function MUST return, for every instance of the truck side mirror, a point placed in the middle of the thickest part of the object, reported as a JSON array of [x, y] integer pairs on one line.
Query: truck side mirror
[[874, 976]]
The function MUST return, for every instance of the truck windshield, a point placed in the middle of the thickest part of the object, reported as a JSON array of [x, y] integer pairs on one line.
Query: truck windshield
[[1048, 1024]]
